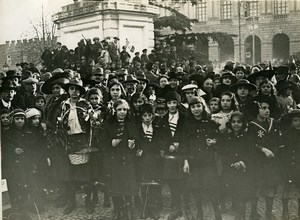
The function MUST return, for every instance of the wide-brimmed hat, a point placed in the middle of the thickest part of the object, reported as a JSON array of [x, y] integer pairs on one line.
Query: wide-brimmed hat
[[130, 79], [60, 79], [286, 119], [174, 75], [283, 84], [142, 77], [57, 71], [98, 71], [243, 82], [228, 74], [75, 82], [282, 70], [265, 73], [11, 74], [30, 80], [7, 85], [154, 85]]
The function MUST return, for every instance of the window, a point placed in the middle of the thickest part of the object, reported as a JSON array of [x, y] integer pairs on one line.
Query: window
[[226, 10], [280, 8], [201, 13], [251, 8]]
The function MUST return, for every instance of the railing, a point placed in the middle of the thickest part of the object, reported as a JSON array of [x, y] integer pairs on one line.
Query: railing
[[280, 16], [80, 8]]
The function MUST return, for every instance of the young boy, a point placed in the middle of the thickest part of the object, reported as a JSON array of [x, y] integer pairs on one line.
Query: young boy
[[4, 116], [289, 156]]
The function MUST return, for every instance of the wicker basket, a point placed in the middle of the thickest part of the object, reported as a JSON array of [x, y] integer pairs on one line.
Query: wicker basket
[[77, 159]]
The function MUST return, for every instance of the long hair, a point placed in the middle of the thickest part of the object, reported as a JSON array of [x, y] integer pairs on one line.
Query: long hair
[[121, 87], [234, 103], [241, 116]]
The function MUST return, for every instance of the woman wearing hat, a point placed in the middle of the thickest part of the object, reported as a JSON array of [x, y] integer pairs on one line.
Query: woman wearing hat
[[227, 79], [285, 91], [242, 89], [74, 127], [290, 158]]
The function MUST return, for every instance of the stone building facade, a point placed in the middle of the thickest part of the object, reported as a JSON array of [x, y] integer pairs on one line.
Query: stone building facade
[[126, 19], [273, 23]]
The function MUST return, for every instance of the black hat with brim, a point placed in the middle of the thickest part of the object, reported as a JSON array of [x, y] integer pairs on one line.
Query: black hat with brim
[[11, 74], [60, 79], [75, 82], [243, 82], [230, 75], [265, 73], [283, 84], [7, 85]]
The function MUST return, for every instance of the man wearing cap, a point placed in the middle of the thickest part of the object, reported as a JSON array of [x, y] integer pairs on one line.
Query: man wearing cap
[[114, 51], [7, 92], [96, 48], [98, 77], [30, 85]]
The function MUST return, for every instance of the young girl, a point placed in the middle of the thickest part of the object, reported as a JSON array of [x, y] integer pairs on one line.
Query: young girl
[[116, 92], [148, 164], [228, 105], [75, 126], [172, 151], [200, 138], [38, 155], [238, 160], [15, 162], [214, 105], [121, 142], [264, 134], [137, 100], [98, 116], [289, 158]]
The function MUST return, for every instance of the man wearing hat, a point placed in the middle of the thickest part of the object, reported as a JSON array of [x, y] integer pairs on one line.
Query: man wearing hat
[[13, 76], [130, 86], [30, 91], [98, 77], [174, 81], [7, 92], [114, 50], [143, 81], [257, 77]]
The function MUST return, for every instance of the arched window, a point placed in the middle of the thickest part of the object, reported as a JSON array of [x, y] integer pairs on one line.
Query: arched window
[[281, 47], [249, 50]]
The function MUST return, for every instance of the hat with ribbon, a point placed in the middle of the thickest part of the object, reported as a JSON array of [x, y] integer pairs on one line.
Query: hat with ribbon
[[60, 79], [75, 82]]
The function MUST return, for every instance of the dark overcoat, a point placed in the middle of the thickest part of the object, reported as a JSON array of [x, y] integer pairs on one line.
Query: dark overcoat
[[119, 168]]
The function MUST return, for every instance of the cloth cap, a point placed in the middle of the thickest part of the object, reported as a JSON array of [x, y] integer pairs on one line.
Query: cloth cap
[[32, 112]]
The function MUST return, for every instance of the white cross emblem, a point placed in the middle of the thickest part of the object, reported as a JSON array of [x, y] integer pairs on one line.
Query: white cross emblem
[[260, 133]]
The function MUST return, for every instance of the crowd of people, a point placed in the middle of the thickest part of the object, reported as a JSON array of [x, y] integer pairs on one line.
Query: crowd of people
[[94, 120]]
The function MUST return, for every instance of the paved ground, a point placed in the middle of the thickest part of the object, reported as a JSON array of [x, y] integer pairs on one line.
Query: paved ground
[[101, 213]]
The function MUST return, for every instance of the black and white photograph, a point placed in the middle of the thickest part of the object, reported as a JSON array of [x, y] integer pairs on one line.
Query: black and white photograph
[[150, 109]]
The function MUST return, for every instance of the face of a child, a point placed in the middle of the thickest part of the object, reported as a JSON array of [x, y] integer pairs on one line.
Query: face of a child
[[35, 120], [225, 102], [57, 90], [95, 99], [266, 89], [40, 103], [189, 94], [138, 103], [174, 83], [240, 74], [236, 124], [197, 109], [214, 106], [121, 112], [74, 92], [242, 91], [172, 106], [19, 121], [208, 85], [115, 92], [226, 81], [296, 123], [264, 111], [5, 119], [147, 117], [163, 82]]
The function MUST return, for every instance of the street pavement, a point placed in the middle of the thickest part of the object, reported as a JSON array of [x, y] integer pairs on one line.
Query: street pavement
[[101, 213]]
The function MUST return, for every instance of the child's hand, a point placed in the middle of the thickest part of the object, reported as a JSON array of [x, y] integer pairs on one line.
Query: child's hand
[[210, 142], [172, 148], [116, 142], [131, 144], [139, 153], [268, 153], [19, 151]]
